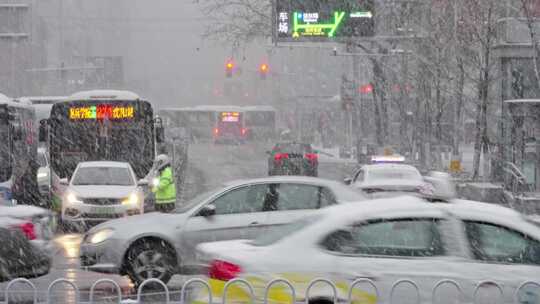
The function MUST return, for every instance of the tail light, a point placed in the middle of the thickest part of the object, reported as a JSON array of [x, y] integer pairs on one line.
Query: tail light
[[224, 271], [279, 157], [244, 131], [216, 131], [27, 229], [312, 157]]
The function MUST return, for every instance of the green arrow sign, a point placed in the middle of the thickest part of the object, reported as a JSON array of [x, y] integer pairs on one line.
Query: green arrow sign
[[316, 29]]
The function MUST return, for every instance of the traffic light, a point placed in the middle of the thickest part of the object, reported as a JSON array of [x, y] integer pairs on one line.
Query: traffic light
[[263, 70], [366, 89], [229, 67]]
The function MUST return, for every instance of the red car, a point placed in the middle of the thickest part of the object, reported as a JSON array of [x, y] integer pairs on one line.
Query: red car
[[292, 158]]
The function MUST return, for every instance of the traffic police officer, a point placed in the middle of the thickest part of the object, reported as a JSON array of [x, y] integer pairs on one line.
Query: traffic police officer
[[164, 186]]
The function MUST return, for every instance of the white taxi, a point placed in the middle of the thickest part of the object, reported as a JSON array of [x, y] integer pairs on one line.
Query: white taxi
[[386, 178], [99, 191], [394, 248]]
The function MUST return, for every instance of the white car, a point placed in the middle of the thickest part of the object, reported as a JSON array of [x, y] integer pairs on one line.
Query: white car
[[385, 241], [99, 191], [387, 178]]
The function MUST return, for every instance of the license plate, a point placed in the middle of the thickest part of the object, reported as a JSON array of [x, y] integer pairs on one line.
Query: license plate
[[102, 210]]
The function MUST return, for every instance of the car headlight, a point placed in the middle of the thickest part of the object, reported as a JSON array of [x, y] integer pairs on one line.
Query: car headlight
[[42, 175], [155, 182], [72, 198], [100, 236], [132, 200]]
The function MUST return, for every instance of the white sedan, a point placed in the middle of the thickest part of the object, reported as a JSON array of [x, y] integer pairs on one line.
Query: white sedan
[[430, 250], [100, 191], [387, 178]]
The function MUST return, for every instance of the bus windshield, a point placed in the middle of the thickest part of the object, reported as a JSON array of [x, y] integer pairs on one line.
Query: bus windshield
[[79, 134]]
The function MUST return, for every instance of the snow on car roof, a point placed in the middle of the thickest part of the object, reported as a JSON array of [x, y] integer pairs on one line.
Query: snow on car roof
[[390, 183], [395, 205], [104, 94], [104, 164], [384, 206], [389, 167], [466, 207]]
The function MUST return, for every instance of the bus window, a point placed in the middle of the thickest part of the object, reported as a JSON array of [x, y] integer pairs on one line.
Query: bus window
[[5, 153]]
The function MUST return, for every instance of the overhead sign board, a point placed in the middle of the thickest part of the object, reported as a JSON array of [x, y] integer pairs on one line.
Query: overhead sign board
[[323, 20]]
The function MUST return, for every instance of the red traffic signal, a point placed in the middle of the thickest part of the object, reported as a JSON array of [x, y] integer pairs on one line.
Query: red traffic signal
[[263, 70], [366, 89], [229, 67]]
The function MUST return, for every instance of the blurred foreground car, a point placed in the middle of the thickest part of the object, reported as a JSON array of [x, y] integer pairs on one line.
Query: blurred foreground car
[[100, 191], [385, 241], [18, 256], [37, 224], [292, 158], [158, 245], [387, 179]]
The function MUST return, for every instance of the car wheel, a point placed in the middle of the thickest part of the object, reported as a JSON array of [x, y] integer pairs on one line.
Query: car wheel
[[150, 258]]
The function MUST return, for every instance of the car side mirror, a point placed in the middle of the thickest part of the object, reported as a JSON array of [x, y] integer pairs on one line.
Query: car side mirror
[[143, 182], [64, 181], [347, 180], [208, 210]]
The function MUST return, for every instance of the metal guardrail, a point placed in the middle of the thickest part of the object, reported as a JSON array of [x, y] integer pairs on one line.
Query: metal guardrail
[[166, 293]]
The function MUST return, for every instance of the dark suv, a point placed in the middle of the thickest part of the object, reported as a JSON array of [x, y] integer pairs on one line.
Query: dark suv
[[292, 158]]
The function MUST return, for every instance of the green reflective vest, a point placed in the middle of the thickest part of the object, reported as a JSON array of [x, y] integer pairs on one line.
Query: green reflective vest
[[166, 189]]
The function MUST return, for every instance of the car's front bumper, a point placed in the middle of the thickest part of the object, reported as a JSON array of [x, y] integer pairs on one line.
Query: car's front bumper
[[105, 257], [83, 213]]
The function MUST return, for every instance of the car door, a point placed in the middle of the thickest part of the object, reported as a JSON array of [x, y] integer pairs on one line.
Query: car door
[[505, 256], [288, 202], [238, 215], [388, 251]]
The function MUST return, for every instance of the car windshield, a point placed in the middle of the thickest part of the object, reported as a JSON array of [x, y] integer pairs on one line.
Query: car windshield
[[103, 176], [393, 173], [293, 148], [280, 232]]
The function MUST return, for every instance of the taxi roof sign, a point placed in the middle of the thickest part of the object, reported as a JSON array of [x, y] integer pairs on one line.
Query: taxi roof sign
[[388, 159]]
